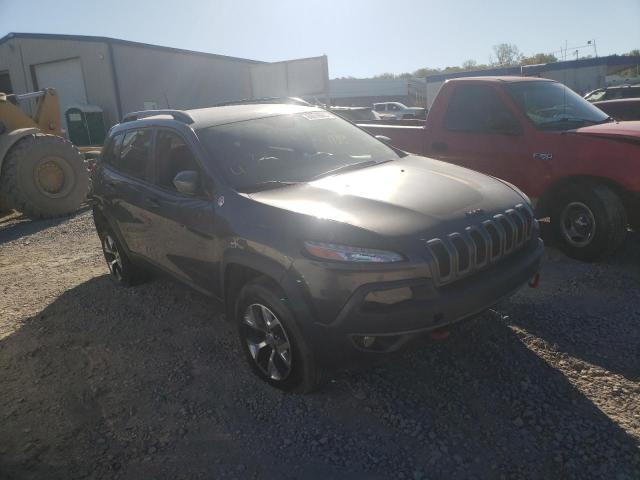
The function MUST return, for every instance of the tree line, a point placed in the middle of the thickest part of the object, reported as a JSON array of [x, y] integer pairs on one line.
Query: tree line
[[504, 55]]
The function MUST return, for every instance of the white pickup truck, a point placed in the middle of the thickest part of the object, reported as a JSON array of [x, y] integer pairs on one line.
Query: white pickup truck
[[398, 111]]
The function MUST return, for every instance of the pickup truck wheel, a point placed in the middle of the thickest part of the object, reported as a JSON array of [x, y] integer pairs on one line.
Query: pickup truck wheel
[[272, 341], [121, 269], [589, 223]]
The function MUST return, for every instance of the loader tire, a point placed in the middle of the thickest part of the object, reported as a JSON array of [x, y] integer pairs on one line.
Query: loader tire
[[43, 176]]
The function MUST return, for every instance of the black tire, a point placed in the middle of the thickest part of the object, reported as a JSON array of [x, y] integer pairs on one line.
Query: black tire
[[122, 270], [44, 176], [303, 375], [604, 208]]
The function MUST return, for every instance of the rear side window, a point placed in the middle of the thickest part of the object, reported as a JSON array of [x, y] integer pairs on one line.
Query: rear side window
[[380, 107], [135, 152], [631, 92], [613, 94], [472, 108], [112, 149]]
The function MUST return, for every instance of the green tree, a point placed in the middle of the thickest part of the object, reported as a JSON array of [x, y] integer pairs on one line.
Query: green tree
[[506, 54], [539, 58], [385, 76], [470, 64]]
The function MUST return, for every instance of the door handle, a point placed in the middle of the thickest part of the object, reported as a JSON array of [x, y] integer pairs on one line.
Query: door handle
[[439, 147]]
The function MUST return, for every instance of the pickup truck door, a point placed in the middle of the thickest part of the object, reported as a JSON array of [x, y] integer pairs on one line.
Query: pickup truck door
[[478, 131], [183, 226]]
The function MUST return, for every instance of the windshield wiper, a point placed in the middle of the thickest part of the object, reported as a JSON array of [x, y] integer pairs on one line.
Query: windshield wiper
[[267, 185], [606, 120], [348, 167]]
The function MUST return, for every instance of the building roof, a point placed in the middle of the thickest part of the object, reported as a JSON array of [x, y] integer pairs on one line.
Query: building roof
[[117, 41]]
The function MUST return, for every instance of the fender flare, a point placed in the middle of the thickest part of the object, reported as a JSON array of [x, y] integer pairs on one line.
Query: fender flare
[[280, 273], [10, 139], [254, 261]]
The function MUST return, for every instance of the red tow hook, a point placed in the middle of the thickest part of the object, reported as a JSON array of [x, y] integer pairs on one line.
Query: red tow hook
[[535, 281]]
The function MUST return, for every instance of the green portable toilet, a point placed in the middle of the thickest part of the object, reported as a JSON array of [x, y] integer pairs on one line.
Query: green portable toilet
[[85, 125]]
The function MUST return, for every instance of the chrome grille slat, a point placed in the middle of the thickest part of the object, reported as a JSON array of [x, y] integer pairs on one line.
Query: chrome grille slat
[[459, 254]]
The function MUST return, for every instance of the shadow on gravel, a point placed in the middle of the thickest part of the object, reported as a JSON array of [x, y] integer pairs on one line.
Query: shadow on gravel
[[14, 227], [590, 311], [148, 383]]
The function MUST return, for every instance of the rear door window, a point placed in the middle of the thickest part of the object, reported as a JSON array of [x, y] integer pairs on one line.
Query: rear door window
[[472, 109], [135, 153]]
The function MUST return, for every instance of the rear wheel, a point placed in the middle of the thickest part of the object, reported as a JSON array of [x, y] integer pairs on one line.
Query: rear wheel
[[589, 222], [121, 269], [272, 341], [44, 176]]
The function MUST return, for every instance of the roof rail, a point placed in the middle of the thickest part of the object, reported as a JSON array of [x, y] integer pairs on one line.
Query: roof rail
[[267, 100], [178, 115]]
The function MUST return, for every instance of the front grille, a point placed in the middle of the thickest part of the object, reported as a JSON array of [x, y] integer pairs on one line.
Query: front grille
[[461, 253]]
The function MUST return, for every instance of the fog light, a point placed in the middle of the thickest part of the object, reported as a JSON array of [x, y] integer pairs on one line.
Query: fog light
[[367, 342]]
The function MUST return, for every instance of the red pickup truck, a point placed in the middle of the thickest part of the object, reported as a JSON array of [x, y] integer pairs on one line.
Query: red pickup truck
[[578, 166]]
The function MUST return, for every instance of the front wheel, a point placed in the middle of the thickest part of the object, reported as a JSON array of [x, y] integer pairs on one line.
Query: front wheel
[[589, 222], [272, 341]]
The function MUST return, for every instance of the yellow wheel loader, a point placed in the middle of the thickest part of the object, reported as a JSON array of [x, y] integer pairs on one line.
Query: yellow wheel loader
[[42, 174]]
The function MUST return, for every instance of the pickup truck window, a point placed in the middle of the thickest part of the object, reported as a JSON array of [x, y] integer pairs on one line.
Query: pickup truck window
[[290, 148], [475, 109], [552, 106]]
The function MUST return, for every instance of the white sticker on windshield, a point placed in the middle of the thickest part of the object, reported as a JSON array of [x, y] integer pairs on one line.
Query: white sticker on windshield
[[318, 116]]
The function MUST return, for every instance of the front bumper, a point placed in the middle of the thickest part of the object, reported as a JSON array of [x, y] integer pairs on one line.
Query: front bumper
[[392, 326]]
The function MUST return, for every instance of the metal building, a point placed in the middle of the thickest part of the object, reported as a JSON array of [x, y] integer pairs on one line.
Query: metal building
[[122, 76]]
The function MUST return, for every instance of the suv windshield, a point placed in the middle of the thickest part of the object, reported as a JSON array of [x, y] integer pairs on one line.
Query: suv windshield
[[274, 151], [552, 106]]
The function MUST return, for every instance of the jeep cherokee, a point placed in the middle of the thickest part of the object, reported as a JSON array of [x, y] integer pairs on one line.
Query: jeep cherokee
[[324, 243]]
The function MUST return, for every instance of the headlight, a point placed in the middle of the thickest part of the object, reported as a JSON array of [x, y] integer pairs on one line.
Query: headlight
[[343, 253]]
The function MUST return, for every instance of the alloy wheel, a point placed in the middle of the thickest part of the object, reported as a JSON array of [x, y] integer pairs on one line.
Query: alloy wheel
[[112, 255], [267, 341]]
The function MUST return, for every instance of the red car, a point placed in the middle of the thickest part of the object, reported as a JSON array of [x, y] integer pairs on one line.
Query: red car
[[579, 167], [623, 109]]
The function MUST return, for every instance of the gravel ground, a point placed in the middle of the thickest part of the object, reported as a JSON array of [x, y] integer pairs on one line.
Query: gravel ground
[[102, 382]]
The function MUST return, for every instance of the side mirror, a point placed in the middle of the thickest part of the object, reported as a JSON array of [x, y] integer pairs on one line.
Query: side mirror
[[504, 123], [384, 139], [186, 182]]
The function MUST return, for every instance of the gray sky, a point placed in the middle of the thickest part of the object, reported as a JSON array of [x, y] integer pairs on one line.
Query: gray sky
[[361, 37]]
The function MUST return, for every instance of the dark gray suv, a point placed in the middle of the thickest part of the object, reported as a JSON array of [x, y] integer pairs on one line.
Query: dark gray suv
[[324, 244]]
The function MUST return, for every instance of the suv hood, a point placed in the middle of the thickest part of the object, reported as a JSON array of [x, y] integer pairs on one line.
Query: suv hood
[[613, 130], [403, 197]]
